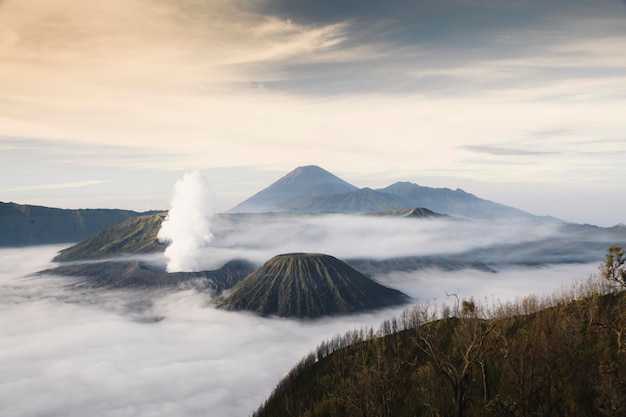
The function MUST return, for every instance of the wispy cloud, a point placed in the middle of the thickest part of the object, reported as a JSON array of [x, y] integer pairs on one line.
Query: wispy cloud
[[500, 151], [27, 152], [143, 44], [404, 86], [55, 186]]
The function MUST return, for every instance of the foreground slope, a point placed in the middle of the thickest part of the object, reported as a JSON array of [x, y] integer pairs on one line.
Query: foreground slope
[[24, 225], [565, 360], [307, 286]]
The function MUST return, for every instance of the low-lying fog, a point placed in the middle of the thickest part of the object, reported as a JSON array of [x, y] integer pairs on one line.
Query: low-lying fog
[[68, 352], [259, 237]]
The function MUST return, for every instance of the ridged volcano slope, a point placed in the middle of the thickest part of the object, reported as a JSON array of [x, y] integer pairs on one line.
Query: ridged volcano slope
[[133, 236], [307, 286]]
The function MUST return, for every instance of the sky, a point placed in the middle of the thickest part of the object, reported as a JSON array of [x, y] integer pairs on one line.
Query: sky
[[107, 104]]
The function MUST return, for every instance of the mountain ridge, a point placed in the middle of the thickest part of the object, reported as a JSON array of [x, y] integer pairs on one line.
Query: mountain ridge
[[454, 202], [315, 190], [24, 224]]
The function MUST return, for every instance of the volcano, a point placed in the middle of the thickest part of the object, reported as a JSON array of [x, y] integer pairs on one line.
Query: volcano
[[294, 191], [305, 285]]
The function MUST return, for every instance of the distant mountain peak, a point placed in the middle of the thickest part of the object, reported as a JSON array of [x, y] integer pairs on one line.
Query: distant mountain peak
[[292, 190], [312, 189], [307, 170], [311, 174]]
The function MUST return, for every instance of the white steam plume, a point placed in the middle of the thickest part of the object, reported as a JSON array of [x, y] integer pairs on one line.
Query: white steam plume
[[188, 223]]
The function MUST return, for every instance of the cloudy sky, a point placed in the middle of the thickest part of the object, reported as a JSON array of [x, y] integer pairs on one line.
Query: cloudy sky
[[106, 104]]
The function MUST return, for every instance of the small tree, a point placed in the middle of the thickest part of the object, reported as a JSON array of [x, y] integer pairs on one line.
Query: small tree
[[455, 345], [614, 268]]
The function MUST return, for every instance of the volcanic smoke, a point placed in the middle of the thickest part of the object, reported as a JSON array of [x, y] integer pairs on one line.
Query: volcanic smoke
[[187, 225]]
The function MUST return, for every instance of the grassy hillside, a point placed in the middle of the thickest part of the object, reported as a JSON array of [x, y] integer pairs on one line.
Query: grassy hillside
[[308, 286], [136, 235], [552, 357], [24, 225]]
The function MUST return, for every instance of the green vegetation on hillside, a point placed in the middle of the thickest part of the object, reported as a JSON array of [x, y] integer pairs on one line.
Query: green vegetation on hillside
[[134, 236], [563, 355]]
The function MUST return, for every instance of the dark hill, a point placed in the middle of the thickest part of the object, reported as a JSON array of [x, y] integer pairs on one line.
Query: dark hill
[[565, 359], [308, 286], [134, 236], [24, 225], [293, 191]]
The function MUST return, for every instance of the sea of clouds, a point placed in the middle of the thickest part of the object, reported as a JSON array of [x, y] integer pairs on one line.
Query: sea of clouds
[[93, 352]]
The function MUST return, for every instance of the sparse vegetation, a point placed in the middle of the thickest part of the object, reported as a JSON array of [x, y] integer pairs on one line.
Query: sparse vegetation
[[560, 355], [614, 267]]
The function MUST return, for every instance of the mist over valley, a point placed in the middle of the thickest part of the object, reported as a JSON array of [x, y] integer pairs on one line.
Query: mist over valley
[[75, 350], [107, 330], [312, 208]]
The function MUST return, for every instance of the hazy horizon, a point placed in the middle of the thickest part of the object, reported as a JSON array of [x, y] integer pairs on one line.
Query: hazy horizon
[[216, 208], [107, 104]]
